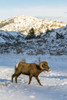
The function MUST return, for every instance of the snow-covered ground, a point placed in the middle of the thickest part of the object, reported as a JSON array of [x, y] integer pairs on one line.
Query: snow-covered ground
[[54, 82]]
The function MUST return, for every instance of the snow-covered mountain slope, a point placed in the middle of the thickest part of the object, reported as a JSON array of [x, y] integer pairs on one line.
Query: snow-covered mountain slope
[[23, 24], [52, 42]]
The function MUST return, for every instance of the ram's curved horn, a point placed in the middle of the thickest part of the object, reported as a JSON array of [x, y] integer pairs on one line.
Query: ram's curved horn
[[43, 63]]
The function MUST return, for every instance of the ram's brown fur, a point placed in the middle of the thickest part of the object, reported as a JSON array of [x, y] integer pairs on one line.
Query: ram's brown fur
[[30, 69]]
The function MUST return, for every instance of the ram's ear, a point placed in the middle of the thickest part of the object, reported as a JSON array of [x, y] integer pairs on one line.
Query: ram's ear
[[46, 63]]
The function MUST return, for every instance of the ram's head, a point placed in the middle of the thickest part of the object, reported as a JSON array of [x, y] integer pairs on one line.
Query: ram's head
[[44, 66]]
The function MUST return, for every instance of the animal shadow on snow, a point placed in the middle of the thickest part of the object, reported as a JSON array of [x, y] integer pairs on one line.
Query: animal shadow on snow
[[4, 80], [56, 77]]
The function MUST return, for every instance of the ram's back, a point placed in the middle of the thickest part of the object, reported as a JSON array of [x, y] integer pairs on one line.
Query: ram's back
[[26, 68]]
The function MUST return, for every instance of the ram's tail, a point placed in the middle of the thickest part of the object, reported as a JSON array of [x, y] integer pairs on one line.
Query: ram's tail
[[16, 67]]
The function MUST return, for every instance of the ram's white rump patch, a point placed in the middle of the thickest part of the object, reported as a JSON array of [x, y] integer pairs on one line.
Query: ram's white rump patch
[[17, 65]]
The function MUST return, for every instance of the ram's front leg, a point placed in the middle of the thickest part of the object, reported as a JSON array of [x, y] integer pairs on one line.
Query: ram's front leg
[[30, 78], [38, 80]]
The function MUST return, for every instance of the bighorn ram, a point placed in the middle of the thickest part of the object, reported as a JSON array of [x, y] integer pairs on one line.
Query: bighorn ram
[[30, 69]]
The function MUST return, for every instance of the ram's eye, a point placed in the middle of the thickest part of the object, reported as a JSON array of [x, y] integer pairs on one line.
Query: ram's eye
[[43, 65]]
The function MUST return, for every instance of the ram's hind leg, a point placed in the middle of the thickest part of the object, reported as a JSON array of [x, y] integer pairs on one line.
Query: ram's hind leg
[[16, 76], [16, 79], [12, 77]]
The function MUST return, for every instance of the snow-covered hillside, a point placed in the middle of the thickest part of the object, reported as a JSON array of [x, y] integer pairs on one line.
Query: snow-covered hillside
[[52, 42], [54, 82], [23, 24]]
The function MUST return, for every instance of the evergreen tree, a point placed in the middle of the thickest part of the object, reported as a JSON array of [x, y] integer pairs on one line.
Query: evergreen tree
[[31, 34]]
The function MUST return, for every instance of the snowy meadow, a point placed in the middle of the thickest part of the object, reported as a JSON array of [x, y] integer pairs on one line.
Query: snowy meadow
[[54, 82]]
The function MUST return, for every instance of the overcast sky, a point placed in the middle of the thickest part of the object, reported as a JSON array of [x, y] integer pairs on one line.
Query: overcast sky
[[39, 8]]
